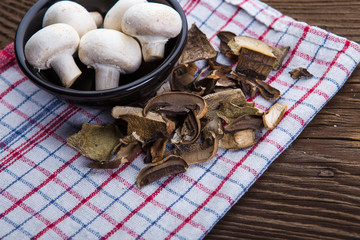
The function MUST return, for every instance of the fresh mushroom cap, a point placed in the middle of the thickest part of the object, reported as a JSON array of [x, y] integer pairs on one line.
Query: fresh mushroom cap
[[70, 13], [110, 53], [53, 47], [152, 24], [114, 16]]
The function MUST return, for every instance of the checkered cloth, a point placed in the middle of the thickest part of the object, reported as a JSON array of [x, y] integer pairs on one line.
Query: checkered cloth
[[47, 192]]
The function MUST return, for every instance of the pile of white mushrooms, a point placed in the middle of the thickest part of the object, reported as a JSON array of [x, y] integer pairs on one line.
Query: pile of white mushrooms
[[112, 50]]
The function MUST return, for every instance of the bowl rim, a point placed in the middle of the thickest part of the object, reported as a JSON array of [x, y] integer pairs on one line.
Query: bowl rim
[[124, 89]]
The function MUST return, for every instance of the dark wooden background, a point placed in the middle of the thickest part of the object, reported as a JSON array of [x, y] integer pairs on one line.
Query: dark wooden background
[[312, 191]]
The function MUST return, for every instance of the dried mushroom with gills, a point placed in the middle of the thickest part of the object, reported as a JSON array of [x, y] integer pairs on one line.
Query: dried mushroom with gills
[[241, 139], [144, 127], [96, 142], [225, 37], [171, 164], [274, 115], [176, 103], [190, 130], [199, 152], [256, 58], [197, 47], [155, 148], [300, 72]]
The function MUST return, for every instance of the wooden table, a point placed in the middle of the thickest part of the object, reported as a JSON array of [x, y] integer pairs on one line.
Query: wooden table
[[312, 191]]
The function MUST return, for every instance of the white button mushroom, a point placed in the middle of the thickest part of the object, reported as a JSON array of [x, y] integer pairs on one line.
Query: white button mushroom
[[113, 17], [110, 53], [53, 47], [70, 13], [152, 24]]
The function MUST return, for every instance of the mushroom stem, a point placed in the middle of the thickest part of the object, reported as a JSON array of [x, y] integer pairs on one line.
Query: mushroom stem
[[153, 51], [106, 77], [97, 18], [66, 68]]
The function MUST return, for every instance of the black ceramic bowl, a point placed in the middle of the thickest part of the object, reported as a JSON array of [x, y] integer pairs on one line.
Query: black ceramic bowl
[[134, 87]]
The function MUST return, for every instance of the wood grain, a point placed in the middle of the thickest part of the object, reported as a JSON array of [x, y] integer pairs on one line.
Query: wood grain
[[312, 191]]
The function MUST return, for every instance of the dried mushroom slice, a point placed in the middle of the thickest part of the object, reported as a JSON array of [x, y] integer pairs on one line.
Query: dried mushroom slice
[[155, 148], [280, 54], [190, 131], [256, 58], [244, 122], [128, 152], [199, 152], [182, 77], [176, 102], [208, 83], [197, 47], [214, 100], [96, 142], [221, 71], [225, 37], [172, 164], [246, 84], [212, 123], [144, 127], [300, 72], [267, 91], [273, 116], [125, 154], [229, 112], [239, 42], [241, 139]]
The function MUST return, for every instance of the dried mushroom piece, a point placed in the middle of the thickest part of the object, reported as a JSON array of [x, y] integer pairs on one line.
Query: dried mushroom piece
[[155, 148], [235, 96], [245, 122], [267, 91], [229, 111], [241, 139], [190, 130], [176, 103], [222, 72], [182, 77], [225, 37], [208, 83], [248, 86], [96, 142], [144, 127], [280, 54], [273, 116], [171, 164], [300, 72], [199, 152], [256, 58], [197, 47]]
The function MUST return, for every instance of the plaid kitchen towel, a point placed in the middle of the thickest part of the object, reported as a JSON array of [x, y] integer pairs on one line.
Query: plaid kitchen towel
[[47, 192]]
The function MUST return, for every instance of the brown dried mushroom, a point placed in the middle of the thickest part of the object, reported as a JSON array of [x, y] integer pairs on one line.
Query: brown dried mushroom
[[300, 72], [241, 139], [172, 164], [176, 102], [199, 152], [273, 116], [197, 47], [96, 142]]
